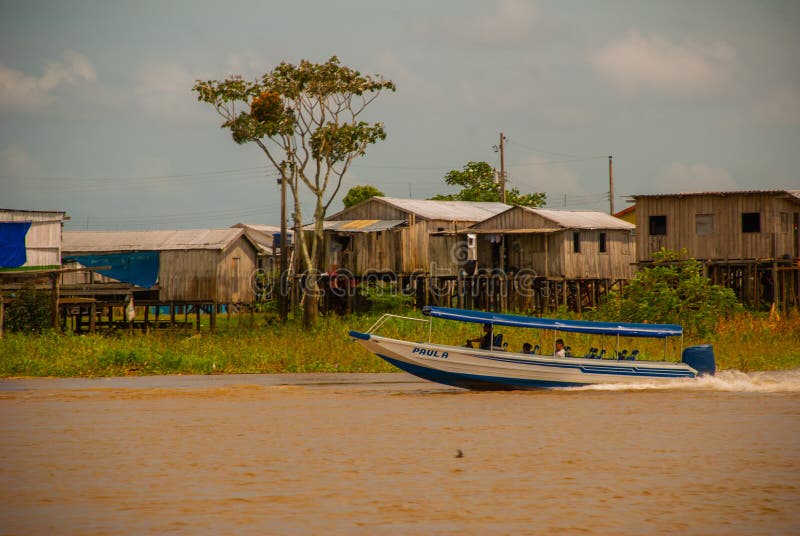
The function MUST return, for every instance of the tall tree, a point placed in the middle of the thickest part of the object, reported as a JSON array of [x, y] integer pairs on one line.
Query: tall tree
[[478, 183], [305, 118], [357, 194]]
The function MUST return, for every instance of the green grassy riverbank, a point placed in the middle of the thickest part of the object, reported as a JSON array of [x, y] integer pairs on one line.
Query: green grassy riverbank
[[747, 342]]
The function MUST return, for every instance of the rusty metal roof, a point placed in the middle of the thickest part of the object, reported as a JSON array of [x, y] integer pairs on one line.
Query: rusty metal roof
[[790, 193], [157, 240], [360, 226]]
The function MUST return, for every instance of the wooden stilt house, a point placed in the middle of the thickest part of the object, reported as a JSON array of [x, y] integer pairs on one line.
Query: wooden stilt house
[[748, 240], [204, 268]]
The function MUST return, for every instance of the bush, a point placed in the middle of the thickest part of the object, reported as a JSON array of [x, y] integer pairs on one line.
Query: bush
[[30, 310], [672, 291]]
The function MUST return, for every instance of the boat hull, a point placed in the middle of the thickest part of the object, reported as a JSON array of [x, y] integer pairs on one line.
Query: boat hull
[[475, 369]]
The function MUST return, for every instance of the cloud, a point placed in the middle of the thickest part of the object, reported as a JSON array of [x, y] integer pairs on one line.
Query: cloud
[[164, 90], [18, 178], [636, 62], [679, 177], [512, 22], [16, 162], [780, 106], [20, 91], [535, 174], [407, 80]]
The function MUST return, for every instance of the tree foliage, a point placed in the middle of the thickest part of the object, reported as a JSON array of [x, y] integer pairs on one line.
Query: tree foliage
[[357, 194], [30, 310], [306, 120], [478, 183], [672, 291]]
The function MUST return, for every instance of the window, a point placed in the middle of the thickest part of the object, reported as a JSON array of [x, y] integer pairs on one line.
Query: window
[[576, 242], [658, 225], [703, 224], [603, 243], [751, 222], [784, 222]]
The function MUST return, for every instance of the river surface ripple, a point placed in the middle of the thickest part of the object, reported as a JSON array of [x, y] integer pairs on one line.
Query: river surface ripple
[[389, 454]]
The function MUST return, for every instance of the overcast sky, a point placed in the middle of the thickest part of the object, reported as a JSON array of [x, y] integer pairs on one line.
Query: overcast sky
[[97, 116]]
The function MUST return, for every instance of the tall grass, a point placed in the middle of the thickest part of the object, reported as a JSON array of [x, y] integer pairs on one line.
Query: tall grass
[[746, 342]]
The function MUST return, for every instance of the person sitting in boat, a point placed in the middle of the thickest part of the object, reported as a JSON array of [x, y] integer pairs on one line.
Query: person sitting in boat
[[560, 350], [485, 341], [526, 348]]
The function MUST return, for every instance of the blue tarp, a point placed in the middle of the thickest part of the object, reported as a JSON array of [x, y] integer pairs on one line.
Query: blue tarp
[[625, 329], [12, 243], [139, 268]]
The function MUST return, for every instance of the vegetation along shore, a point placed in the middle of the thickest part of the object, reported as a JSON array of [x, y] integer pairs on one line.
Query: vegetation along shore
[[745, 341]]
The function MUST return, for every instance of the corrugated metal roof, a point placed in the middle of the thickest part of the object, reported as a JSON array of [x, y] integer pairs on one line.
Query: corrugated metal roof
[[359, 226], [157, 240], [268, 229], [10, 214], [581, 219], [790, 193], [448, 210]]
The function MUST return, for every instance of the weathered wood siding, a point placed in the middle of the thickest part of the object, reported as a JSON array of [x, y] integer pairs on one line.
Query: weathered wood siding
[[616, 263], [364, 253], [372, 210], [188, 275], [235, 272], [414, 247], [208, 275], [43, 240], [516, 219], [726, 239]]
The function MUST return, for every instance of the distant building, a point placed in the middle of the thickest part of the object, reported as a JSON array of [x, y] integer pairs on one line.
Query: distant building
[[394, 235], [748, 240], [758, 224], [628, 214], [30, 239], [556, 244], [210, 266]]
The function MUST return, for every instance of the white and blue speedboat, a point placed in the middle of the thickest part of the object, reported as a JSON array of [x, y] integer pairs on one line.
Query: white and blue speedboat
[[497, 368]]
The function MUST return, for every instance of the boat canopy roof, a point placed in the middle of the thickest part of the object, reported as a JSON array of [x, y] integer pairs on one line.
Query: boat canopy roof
[[625, 329]]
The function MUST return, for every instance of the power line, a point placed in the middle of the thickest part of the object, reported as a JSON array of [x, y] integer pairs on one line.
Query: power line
[[569, 155]]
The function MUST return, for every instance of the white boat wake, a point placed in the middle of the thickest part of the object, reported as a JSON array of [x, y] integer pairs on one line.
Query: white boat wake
[[785, 381]]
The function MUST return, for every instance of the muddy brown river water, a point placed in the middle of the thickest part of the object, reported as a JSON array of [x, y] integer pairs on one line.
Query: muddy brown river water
[[388, 454]]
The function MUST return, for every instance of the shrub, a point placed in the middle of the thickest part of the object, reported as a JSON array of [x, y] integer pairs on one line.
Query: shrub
[[672, 291], [30, 310]]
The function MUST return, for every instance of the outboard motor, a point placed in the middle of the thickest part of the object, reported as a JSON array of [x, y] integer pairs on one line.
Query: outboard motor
[[700, 358]]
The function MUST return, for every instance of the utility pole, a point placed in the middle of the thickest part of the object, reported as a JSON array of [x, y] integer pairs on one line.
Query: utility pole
[[502, 169], [611, 185]]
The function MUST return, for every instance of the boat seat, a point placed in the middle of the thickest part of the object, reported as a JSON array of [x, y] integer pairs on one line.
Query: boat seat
[[498, 344]]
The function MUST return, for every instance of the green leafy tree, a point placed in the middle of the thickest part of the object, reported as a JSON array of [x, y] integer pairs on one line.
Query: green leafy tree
[[30, 310], [357, 194], [673, 290], [306, 120], [478, 183]]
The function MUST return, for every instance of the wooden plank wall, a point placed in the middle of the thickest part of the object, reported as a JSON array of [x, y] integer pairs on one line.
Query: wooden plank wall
[[233, 287], [207, 275], [371, 210], [616, 263], [43, 244], [727, 240]]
